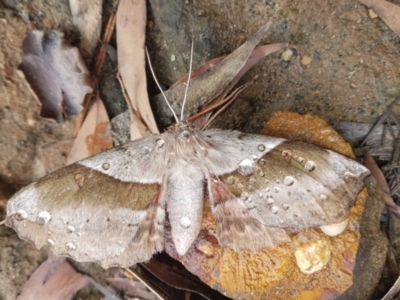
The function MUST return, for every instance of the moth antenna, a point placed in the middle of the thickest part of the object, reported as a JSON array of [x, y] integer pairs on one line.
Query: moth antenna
[[159, 86], [187, 84]]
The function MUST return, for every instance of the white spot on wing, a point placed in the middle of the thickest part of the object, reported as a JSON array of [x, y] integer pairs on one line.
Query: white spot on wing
[[185, 222], [21, 215], [43, 217], [274, 209], [70, 246], [288, 180], [261, 148], [246, 167], [244, 196], [160, 145], [310, 165]]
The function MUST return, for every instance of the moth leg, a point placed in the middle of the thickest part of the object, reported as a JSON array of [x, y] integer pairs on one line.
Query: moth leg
[[149, 237], [236, 228]]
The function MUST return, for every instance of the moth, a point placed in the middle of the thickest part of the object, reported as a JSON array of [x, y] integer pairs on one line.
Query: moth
[[111, 208]]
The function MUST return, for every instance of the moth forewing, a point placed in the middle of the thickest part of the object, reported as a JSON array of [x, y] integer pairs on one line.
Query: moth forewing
[[86, 214]]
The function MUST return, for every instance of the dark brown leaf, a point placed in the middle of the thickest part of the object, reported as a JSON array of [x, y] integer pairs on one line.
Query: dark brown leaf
[[175, 275], [382, 184]]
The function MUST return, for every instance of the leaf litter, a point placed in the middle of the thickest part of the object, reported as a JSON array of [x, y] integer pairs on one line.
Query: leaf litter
[[384, 140], [145, 111], [92, 135]]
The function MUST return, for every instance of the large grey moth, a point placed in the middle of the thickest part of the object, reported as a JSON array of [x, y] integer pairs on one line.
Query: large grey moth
[[111, 208]]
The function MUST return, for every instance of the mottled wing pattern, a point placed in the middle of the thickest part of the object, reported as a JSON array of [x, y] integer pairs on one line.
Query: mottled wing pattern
[[96, 209], [279, 184], [236, 227]]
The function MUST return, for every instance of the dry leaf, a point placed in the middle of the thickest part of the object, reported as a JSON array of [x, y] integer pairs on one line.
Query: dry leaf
[[382, 185], [257, 54], [56, 73], [209, 85], [92, 138], [137, 128], [131, 26], [175, 275], [388, 12], [54, 279], [86, 15], [202, 69]]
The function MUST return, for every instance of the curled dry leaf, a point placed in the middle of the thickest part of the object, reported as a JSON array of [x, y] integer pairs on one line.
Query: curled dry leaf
[[202, 69], [131, 25], [56, 73], [54, 279], [209, 85], [93, 136], [257, 54], [382, 185], [264, 275], [387, 11]]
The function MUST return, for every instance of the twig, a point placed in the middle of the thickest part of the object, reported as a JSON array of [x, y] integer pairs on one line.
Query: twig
[[101, 54], [129, 273]]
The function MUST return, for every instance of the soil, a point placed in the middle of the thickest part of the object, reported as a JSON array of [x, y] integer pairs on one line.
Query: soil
[[346, 66]]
